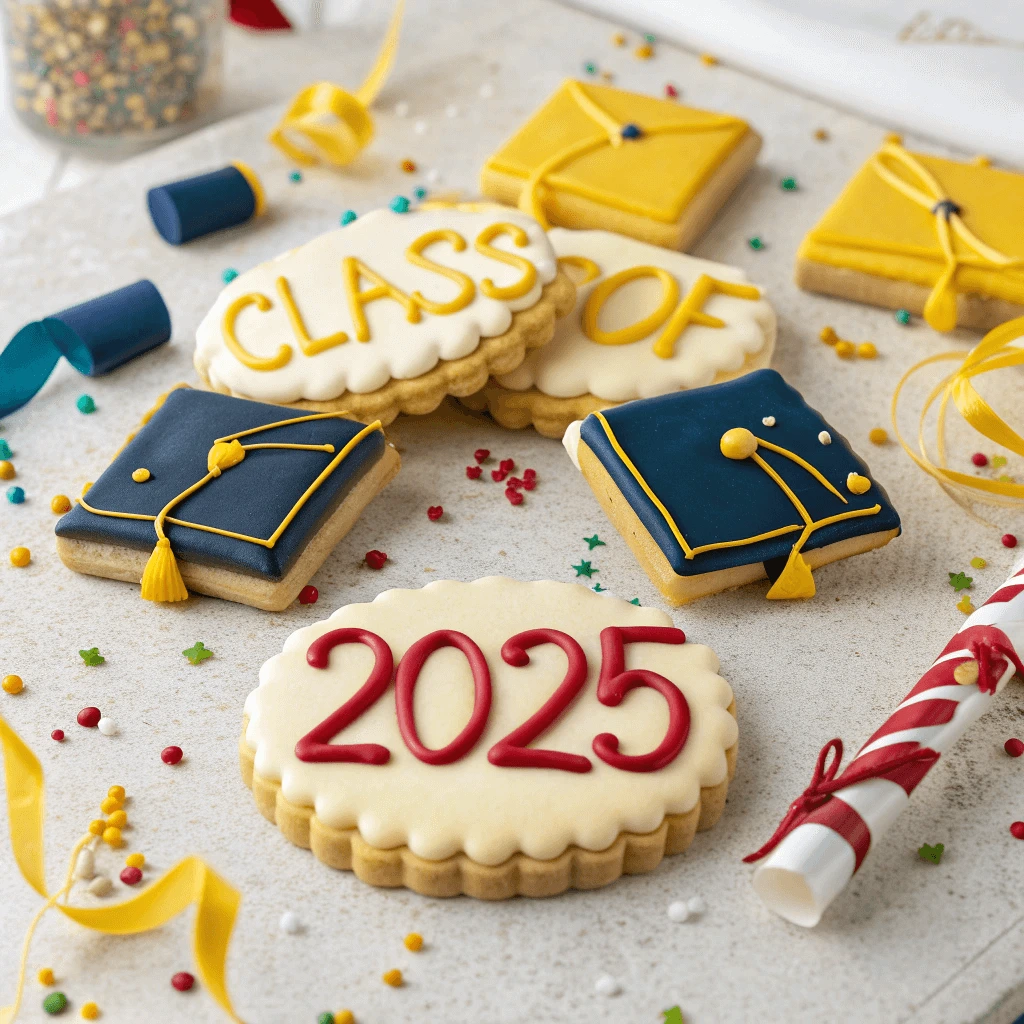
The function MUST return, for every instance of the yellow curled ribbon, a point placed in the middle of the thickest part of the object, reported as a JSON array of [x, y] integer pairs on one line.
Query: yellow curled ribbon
[[325, 123], [188, 882], [996, 351]]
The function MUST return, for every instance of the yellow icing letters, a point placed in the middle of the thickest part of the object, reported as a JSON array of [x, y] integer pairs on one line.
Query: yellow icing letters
[[246, 358], [309, 346], [586, 266], [689, 311], [642, 328], [467, 290], [519, 239], [353, 269]]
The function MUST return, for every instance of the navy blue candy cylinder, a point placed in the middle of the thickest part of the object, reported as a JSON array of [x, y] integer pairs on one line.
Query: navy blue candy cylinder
[[193, 207]]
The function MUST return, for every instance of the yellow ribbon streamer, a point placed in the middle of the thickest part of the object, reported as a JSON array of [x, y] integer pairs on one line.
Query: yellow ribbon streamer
[[325, 123], [996, 351], [189, 882], [940, 309]]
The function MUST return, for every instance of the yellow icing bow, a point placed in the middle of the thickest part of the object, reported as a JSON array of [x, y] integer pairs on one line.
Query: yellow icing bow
[[996, 351], [189, 882], [325, 122]]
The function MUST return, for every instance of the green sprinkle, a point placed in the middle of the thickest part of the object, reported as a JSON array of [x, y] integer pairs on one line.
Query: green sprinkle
[[978, 563], [347, 217], [227, 276], [673, 1015], [420, 193], [594, 542], [598, 588], [998, 461], [197, 652], [788, 184], [636, 601], [325, 1018], [295, 176], [55, 1002], [85, 404], [585, 569], [590, 67], [400, 204], [902, 316], [959, 581], [755, 243], [649, 37], [92, 656], [5, 449], [931, 853]]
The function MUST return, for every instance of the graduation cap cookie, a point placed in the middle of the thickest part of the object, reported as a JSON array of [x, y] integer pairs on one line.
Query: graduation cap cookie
[[724, 485], [225, 497]]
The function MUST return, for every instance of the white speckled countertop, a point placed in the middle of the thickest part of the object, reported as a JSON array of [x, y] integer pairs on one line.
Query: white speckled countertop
[[908, 941]]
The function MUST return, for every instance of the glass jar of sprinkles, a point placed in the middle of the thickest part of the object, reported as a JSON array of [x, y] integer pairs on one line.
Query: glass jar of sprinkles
[[113, 73]]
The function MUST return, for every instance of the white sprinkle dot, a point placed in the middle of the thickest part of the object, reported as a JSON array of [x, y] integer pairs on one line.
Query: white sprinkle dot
[[290, 922], [825, 437], [696, 905], [402, 109], [433, 176], [606, 985], [451, 110], [769, 421], [486, 90], [101, 886], [85, 865], [107, 726], [419, 127], [678, 911]]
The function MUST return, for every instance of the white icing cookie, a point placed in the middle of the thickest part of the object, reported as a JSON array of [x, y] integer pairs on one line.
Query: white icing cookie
[[472, 805], [573, 364], [310, 340]]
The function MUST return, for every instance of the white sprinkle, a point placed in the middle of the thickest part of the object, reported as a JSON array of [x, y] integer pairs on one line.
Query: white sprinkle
[[433, 176], [678, 911], [696, 905], [290, 923], [769, 421], [419, 127], [451, 110], [606, 985], [107, 726], [401, 109], [85, 865], [101, 886], [825, 437], [486, 90]]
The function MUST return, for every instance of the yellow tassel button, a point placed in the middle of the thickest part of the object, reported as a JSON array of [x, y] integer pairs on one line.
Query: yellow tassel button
[[858, 484]]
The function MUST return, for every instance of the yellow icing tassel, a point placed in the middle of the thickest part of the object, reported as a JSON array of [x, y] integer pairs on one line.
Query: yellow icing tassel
[[940, 309], [223, 455], [162, 579], [796, 580]]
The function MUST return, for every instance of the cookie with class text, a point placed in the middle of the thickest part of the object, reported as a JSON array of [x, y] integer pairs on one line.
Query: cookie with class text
[[225, 497], [388, 314], [725, 485], [923, 233], [647, 321], [598, 157], [488, 738]]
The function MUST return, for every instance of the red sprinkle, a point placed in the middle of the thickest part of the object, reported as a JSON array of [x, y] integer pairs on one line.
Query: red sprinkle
[[89, 717], [171, 755], [1017, 830], [1014, 747], [497, 475], [182, 981], [514, 496], [1009, 541], [309, 594], [979, 459], [434, 513], [671, 91], [473, 472], [530, 482], [515, 483], [507, 465], [482, 454], [127, 25], [375, 559], [529, 474], [132, 876], [58, 735], [80, 78]]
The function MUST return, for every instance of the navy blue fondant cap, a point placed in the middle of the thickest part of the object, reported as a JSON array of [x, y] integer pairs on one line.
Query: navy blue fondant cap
[[673, 442], [252, 498], [193, 207]]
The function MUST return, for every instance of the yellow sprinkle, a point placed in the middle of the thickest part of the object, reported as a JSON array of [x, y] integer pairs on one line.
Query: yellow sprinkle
[[110, 803], [86, 486], [117, 792], [619, 39], [112, 836], [867, 350], [97, 826], [644, 51], [709, 60], [845, 349], [978, 563], [392, 977], [344, 1017], [13, 684], [821, 134], [6, 470], [59, 504], [118, 819], [90, 1011], [413, 942], [141, 475], [828, 335], [965, 605], [20, 557], [135, 860], [998, 461], [45, 976], [878, 435]]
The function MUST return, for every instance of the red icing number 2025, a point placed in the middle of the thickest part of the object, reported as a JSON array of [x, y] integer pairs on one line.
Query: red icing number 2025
[[512, 751]]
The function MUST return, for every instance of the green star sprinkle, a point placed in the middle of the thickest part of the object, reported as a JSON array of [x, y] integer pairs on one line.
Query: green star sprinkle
[[92, 656], [598, 588], [931, 853], [788, 184], [960, 581], [673, 1015], [755, 243], [197, 652], [636, 601], [594, 542], [584, 569]]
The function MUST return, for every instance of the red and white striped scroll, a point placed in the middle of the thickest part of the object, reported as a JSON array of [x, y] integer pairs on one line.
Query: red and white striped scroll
[[828, 830]]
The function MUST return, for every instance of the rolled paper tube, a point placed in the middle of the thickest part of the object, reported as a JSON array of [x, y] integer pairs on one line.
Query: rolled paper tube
[[193, 207], [95, 338], [830, 827]]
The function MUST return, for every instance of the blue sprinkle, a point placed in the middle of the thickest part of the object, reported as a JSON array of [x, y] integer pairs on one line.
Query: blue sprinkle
[[229, 275], [632, 131], [400, 204], [15, 495], [347, 217], [295, 176], [85, 404], [420, 193], [5, 449], [902, 316]]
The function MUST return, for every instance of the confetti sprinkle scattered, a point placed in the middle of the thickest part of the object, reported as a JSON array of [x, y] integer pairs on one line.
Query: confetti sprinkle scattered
[[107, 726], [598, 589], [960, 581], [171, 755], [867, 350], [755, 243], [326, 1018], [182, 981], [845, 349], [678, 911], [409, 166], [965, 604], [998, 461], [85, 404], [482, 454], [375, 559], [45, 976], [55, 1002], [474, 472], [515, 483], [821, 134], [584, 569], [1009, 540], [309, 594], [978, 563], [15, 495], [295, 176], [90, 1011], [92, 656], [1017, 830], [497, 475], [413, 942], [644, 51], [131, 876], [788, 184], [515, 497], [57, 735], [878, 435], [902, 316], [606, 985], [619, 39], [13, 684], [709, 60], [673, 1015], [696, 905], [197, 653], [1014, 747], [392, 977], [135, 860], [20, 557], [632, 131], [435, 512], [5, 449], [400, 204], [228, 275], [636, 601], [420, 193], [507, 465], [290, 923], [825, 437], [590, 67], [671, 91], [594, 542], [7, 471], [933, 854], [828, 335], [59, 504], [347, 217]]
